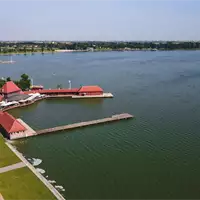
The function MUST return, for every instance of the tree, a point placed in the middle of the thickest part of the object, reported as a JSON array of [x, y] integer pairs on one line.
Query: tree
[[59, 86], [8, 79], [42, 48], [2, 82], [32, 49], [24, 49], [24, 82]]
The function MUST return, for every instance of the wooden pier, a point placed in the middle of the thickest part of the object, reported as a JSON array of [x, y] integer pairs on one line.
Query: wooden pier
[[88, 123]]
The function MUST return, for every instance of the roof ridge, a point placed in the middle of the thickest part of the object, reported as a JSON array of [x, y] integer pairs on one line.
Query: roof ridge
[[10, 87], [14, 124]]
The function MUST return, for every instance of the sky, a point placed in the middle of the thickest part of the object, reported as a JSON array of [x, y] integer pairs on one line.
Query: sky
[[108, 20]]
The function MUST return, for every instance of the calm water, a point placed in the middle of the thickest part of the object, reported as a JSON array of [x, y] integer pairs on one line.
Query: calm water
[[155, 155]]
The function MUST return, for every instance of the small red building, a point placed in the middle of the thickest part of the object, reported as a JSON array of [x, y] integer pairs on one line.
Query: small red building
[[90, 90], [10, 124]]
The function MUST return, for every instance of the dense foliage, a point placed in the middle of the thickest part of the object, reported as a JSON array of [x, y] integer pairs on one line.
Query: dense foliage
[[24, 83], [25, 47]]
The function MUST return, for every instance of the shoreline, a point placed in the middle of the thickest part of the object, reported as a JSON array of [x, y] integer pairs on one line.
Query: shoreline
[[26, 53], [105, 95], [35, 172], [85, 51]]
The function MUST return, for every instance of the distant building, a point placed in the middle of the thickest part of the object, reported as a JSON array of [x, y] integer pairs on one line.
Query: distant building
[[90, 49], [83, 90], [36, 87]]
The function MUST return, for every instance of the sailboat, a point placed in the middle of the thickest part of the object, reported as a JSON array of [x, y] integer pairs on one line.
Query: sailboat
[[8, 62], [11, 60]]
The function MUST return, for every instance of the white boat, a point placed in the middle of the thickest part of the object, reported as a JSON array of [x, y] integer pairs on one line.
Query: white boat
[[8, 62]]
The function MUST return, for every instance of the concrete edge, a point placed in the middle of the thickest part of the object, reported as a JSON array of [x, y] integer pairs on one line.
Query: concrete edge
[[42, 178]]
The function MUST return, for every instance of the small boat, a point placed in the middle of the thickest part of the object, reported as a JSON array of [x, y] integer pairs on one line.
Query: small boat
[[8, 62]]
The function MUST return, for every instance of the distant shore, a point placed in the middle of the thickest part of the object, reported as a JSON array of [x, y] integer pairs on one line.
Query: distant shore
[[43, 47], [95, 50], [26, 53]]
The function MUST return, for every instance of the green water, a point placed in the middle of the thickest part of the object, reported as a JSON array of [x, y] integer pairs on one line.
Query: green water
[[155, 155]]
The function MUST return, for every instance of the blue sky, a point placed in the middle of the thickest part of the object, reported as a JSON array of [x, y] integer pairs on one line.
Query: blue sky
[[99, 20]]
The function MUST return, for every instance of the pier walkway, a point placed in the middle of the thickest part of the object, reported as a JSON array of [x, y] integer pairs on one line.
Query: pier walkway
[[83, 124]]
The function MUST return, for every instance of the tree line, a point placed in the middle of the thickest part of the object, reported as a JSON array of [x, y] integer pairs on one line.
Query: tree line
[[23, 83], [25, 47]]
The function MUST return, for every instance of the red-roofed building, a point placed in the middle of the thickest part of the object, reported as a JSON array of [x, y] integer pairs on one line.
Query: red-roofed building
[[72, 91], [10, 124], [90, 90], [59, 91], [9, 89], [83, 90]]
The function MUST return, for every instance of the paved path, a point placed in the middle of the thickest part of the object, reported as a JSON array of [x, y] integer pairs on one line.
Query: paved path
[[12, 167], [1, 197]]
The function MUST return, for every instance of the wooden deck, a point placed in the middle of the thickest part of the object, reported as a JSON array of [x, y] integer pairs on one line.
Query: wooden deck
[[88, 123]]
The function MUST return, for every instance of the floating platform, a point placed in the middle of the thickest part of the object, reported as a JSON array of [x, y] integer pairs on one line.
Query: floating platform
[[84, 124]]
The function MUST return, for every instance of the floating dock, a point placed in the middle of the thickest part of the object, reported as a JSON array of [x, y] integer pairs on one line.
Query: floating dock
[[83, 124]]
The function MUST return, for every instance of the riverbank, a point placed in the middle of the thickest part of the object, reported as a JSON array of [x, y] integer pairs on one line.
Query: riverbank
[[95, 50], [22, 183], [26, 53]]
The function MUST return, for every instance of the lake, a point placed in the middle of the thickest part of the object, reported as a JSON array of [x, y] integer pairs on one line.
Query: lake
[[155, 155]]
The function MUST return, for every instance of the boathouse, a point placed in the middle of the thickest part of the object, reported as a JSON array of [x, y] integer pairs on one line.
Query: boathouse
[[10, 125], [90, 90], [83, 90]]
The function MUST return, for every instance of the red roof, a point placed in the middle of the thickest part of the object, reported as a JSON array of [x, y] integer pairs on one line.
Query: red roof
[[46, 91], [94, 88], [10, 87], [10, 124], [83, 89], [58, 91]]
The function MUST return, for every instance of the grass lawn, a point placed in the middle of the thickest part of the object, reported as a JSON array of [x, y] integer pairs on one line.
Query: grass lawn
[[23, 184], [7, 157]]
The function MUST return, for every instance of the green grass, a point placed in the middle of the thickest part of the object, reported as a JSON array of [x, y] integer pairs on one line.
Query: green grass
[[23, 184], [7, 157], [19, 183]]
